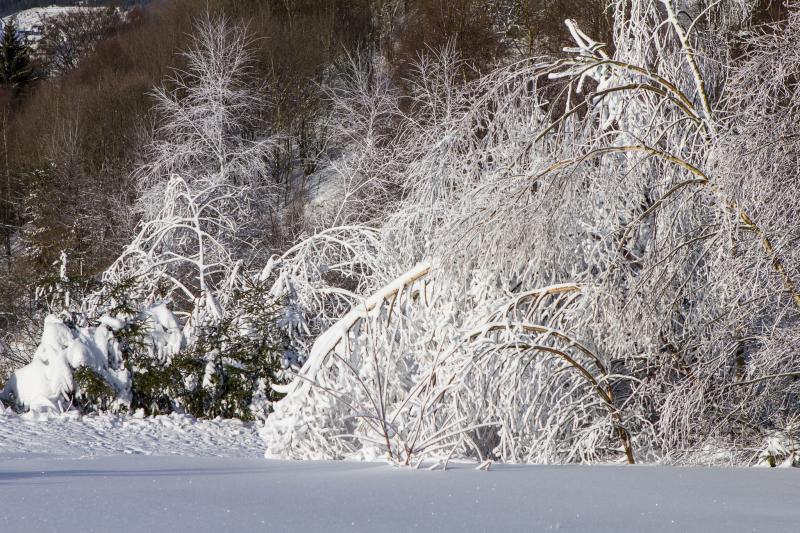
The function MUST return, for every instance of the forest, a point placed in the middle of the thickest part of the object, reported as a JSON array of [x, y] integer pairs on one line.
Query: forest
[[516, 231]]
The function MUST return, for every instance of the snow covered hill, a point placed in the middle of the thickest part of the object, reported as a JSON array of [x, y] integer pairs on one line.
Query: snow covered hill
[[30, 22]]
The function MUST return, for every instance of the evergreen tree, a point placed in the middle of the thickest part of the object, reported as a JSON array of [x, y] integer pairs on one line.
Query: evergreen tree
[[15, 67]]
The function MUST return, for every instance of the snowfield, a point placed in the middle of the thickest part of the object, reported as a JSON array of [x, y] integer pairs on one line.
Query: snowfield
[[107, 473], [137, 493]]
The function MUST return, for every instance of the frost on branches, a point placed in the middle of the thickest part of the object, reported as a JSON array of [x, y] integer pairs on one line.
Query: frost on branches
[[589, 258], [178, 322], [613, 246]]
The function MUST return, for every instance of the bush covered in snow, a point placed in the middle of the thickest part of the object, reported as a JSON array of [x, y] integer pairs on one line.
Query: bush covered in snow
[[177, 323], [124, 357], [611, 241]]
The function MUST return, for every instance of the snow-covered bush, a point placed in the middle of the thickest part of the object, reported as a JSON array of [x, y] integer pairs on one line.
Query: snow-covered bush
[[120, 354], [651, 181], [229, 367], [347, 393], [71, 344], [177, 322]]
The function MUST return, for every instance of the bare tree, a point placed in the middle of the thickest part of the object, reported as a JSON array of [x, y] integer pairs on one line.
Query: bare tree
[[69, 36], [205, 185]]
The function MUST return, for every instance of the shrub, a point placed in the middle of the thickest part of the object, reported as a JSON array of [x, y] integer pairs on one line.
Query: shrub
[[92, 392]]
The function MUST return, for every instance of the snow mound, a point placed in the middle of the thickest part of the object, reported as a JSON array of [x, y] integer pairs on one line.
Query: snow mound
[[46, 382]]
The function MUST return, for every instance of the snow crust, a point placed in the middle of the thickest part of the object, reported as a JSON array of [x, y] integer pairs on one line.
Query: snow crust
[[213, 494]]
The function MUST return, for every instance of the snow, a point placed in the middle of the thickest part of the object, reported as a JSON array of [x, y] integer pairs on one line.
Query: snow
[[166, 339], [44, 384], [290, 420], [175, 473], [28, 18], [71, 435], [336, 335], [30, 21], [40, 384], [198, 494]]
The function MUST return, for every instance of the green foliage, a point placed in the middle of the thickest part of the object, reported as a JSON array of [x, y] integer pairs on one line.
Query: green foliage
[[232, 361], [226, 367], [15, 67], [155, 386], [92, 392]]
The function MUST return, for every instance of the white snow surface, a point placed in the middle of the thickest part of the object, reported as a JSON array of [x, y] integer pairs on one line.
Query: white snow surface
[[176, 473], [136, 493], [71, 435]]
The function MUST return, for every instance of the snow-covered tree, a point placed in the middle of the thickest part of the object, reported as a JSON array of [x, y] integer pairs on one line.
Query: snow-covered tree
[[613, 249], [177, 313], [205, 194], [583, 258]]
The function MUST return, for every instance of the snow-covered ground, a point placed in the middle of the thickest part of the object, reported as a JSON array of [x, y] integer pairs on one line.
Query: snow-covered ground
[[139, 493], [73, 436], [29, 18], [106, 473]]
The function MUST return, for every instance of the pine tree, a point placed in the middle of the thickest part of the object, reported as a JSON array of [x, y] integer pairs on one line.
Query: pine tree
[[15, 64]]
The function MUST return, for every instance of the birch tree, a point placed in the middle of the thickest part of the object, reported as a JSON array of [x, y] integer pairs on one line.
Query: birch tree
[[204, 190]]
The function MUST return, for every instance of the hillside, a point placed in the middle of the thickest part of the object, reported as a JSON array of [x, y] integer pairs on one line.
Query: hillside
[[31, 22], [11, 7]]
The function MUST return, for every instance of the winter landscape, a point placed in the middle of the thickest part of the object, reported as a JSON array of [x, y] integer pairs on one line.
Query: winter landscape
[[399, 265]]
